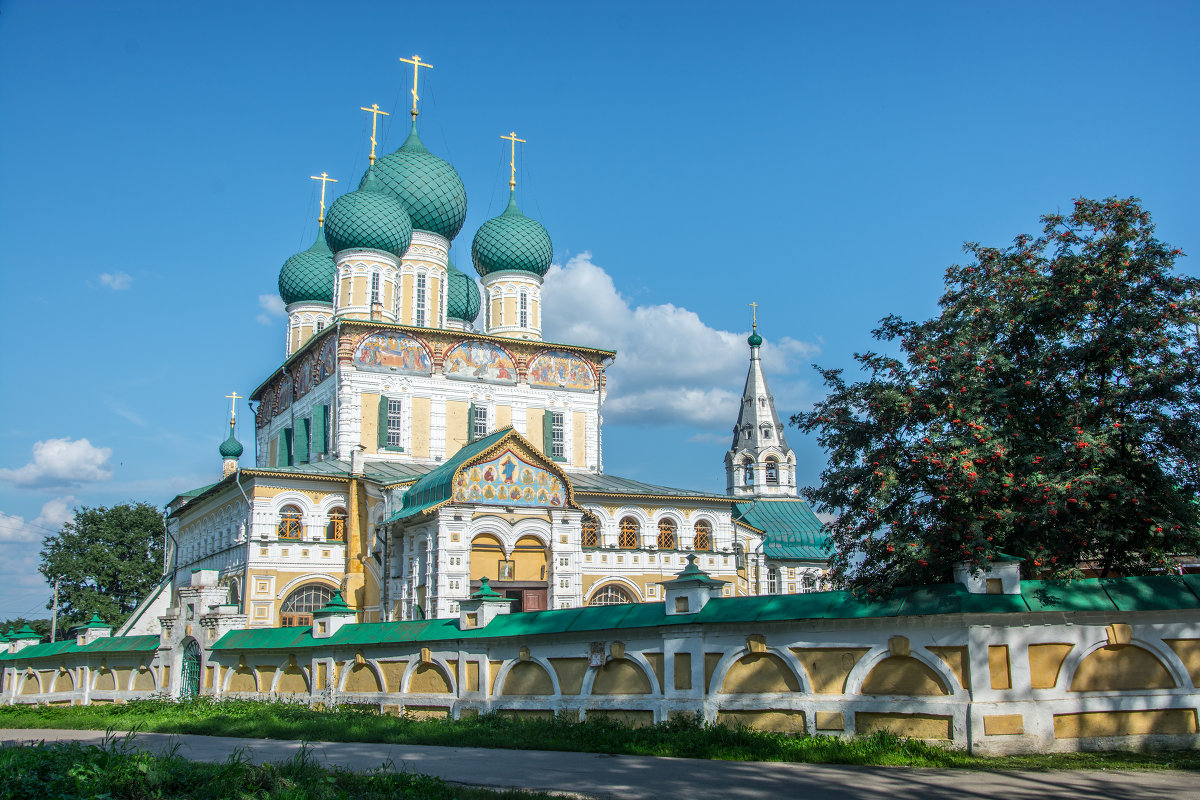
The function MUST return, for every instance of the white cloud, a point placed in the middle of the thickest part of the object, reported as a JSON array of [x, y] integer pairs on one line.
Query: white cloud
[[54, 513], [117, 281], [671, 367], [62, 462], [272, 306]]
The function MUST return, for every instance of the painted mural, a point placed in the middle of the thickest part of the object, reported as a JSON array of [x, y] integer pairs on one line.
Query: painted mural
[[327, 360], [392, 352], [509, 481], [481, 361], [560, 370]]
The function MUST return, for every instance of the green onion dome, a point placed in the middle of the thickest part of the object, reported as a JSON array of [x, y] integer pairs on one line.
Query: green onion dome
[[231, 447], [512, 241], [462, 295], [754, 340], [309, 276], [368, 218], [428, 187]]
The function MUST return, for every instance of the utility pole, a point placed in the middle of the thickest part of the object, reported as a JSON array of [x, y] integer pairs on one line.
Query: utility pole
[[54, 614]]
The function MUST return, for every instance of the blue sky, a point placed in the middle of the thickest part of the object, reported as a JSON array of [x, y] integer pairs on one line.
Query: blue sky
[[826, 160]]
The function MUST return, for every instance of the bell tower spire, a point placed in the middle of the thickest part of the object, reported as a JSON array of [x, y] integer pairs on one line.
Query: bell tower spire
[[759, 462]]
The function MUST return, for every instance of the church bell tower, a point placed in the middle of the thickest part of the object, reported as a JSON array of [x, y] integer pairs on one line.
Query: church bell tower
[[759, 462]]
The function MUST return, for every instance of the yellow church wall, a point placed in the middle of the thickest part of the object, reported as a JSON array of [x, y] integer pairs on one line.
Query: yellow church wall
[[759, 672], [533, 427], [420, 427], [1125, 723], [1003, 725], [1045, 662], [656, 665], [1188, 651], [362, 679], [579, 441], [683, 671], [527, 677], [406, 300], [496, 309], [529, 560], [344, 291], [621, 676], [473, 684], [829, 667], [429, 679], [1121, 667], [536, 313], [273, 452], [503, 417], [903, 675], [388, 294], [370, 422], [434, 313], [570, 672], [494, 675], [107, 682], [266, 676], [358, 290], [916, 726], [243, 680], [456, 425], [143, 680], [784, 721], [510, 310], [63, 681], [956, 659], [393, 674], [998, 666]]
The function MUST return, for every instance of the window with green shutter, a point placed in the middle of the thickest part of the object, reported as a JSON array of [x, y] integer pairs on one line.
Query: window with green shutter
[[390, 423], [285, 448], [301, 443], [319, 445], [553, 435], [471, 423]]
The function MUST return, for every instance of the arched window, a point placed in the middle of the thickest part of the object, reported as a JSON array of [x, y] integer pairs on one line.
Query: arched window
[[336, 529], [703, 540], [289, 523], [748, 469], [628, 538], [766, 432], [772, 471], [298, 607], [666, 534], [235, 596], [772, 580], [610, 595], [808, 584], [591, 531]]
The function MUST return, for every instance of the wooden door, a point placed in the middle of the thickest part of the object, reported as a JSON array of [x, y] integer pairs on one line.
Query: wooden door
[[533, 600]]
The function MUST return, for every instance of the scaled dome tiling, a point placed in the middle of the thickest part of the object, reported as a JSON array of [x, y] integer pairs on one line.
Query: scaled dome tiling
[[462, 295], [512, 241], [309, 276], [429, 188], [231, 448], [368, 218]]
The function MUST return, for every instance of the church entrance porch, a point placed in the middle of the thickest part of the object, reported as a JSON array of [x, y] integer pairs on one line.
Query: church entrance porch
[[526, 595]]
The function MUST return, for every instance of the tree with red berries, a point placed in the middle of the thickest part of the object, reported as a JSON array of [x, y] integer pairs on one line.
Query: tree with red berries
[[1049, 411]]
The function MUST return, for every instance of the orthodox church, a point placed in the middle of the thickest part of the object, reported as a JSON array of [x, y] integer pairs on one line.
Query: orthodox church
[[421, 441]]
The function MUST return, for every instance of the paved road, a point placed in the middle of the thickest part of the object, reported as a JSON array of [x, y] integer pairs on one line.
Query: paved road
[[602, 776]]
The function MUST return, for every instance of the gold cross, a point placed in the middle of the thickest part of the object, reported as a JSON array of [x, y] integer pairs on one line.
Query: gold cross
[[754, 315], [512, 161], [233, 398], [417, 64], [374, 112], [324, 179]]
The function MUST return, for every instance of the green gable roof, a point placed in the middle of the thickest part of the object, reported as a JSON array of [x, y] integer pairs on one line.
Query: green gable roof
[[437, 486], [793, 532]]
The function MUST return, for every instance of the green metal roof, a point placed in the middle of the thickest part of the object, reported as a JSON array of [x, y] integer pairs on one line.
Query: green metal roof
[[1116, 594], [368, 218], [309, 276], [105, 644], [592, 483], [793, 532], [428, 187], [382, 472], [437, 486], [512, 241]]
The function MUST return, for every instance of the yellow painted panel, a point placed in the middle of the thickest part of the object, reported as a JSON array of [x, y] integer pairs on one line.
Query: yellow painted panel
[[1045, 661], [435, 302], [536, 315], [1003, 725], [527, 677], [266, 676], [526, 713], [494, 673], [30, 684], [759, 672], [243, 681], [321, 683], [621, 676], [143, 681], [831, 721], [570, 673], [456, 425], [534, 420], [710, 666], [292, 681], [273, 453], [510, 310], [344, 292], [485, 557], [656, 663], [1121, 667], [495, 320], [998, 666], [784, 721], [358, 290], [917, 726], [828, 667], [956, 659], [579, 444], [420, 427], [426, 712], [406, 300], [370, 422], [472, 676], [107, 682], [1188, 651], [362, 679], [122, 676], [393, 674], [630, 719], [63, 682], [529, 557], [429, 679], [683, 671], [1125, 723], [503, 417], [903, 675]]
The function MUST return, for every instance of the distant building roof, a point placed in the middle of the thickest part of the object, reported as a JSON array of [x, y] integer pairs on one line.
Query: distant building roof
[[793, 532]]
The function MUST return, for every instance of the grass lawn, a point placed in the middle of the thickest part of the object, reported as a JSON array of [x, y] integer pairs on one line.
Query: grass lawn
[[117, 770], [683, 738]]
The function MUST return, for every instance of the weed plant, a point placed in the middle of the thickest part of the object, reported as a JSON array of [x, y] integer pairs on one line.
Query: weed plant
[[683, 737], [116, 769]]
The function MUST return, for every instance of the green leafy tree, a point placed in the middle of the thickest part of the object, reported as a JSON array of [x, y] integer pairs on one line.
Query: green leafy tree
[[41, 626], [106, 560], [1049, 411]]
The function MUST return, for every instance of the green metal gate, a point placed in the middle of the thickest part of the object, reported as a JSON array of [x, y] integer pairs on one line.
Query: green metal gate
[[189, 683]]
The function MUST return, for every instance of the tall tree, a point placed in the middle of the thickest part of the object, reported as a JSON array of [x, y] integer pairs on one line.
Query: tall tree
[[106, 560], [1049, 411]]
